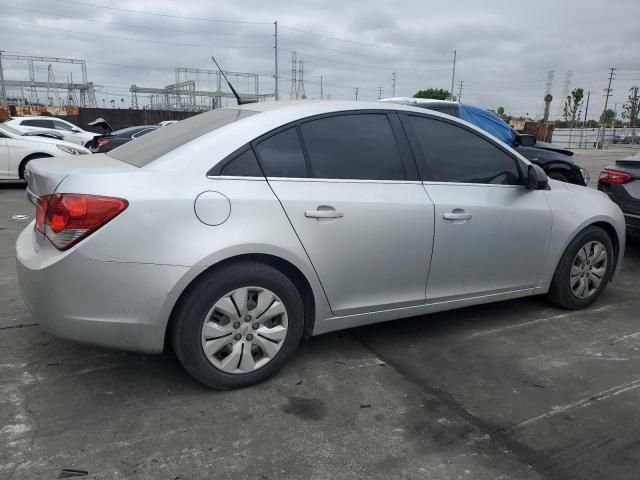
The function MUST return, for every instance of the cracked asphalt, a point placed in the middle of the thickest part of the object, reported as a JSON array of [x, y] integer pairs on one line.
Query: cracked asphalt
[[512, 390]]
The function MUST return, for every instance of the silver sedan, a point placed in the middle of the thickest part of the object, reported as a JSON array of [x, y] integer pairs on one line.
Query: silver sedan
[[234, 234]]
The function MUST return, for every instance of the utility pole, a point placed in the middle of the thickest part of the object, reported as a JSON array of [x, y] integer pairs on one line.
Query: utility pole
[[355, 91], [607, 92], [460, 91], [584, 121], [3, 91], [393, 84], [380, 92], [453, 74], [275, 47], [321, 90]]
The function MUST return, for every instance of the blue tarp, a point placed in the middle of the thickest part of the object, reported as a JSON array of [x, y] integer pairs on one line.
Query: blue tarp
[[487, 121]]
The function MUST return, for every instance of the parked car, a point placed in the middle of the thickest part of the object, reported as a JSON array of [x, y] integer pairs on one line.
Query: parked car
[[106, 143], [554, 160], [18, 149], [70, 132], [622, 183], [237, 232]]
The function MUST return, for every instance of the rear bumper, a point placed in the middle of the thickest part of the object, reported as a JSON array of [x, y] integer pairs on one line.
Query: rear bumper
[[111, 304]]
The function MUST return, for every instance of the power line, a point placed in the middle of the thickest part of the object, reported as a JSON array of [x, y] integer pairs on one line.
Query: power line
[[332, 60], [128, 39], [353, 41], [156, 14], [108, 22], [346, 52]]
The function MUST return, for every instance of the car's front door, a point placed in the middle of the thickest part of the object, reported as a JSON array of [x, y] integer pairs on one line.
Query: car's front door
[[491, 232], [352, 194]]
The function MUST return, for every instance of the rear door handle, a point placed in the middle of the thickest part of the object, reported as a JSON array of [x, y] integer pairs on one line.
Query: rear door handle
[[323, 214], [457, 215]]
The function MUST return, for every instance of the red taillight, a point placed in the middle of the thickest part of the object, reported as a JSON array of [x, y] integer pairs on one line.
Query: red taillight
[[101, 142], [609, 176], [67, 218]]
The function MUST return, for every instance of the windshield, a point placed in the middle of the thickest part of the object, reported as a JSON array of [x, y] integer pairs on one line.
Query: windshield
[[161, 141], [6, 128]]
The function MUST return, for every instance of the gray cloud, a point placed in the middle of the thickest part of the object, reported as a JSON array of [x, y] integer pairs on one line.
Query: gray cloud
[[504, 48]]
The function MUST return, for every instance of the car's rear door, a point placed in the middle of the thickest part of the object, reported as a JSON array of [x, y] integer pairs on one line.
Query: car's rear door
[[350, 188], [491, 232]]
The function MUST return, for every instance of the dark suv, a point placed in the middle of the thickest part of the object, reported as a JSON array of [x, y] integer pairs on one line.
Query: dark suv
[[555, 161]]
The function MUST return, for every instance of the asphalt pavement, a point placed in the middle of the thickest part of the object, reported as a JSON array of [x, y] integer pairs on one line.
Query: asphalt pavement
[[512, 390]]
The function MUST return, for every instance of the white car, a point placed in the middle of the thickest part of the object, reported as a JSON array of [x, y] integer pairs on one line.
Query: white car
[[164, 123], [17, 149], [69, 131]]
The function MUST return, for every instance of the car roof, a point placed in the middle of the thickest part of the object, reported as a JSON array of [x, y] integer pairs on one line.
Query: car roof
[[39, 117], [133, 129]]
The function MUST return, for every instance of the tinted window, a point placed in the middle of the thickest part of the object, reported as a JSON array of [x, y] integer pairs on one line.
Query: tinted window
[[244, 165], [37, 123], [61, 125], [454, 154], [353, 146], [281, 155], [163, 140], [453, 111]]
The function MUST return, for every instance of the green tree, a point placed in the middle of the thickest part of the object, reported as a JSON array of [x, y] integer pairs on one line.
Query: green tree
[[607, 117], [631, 109], [572, 106], [435, 93]]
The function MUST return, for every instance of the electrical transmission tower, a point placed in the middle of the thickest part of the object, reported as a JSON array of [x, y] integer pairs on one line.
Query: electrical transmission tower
[[294, 72], [461, 84], [393, 84], [380, 90], [355, 92], [607, 94], [300, 89]]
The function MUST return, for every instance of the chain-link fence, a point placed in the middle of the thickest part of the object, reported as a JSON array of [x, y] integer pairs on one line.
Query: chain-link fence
[[590, 137]]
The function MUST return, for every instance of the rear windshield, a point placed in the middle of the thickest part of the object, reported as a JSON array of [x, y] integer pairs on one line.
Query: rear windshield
[[146, 149]]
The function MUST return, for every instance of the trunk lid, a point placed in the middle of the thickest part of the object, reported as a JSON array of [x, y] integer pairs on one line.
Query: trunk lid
[[630, 165], [43, 175]]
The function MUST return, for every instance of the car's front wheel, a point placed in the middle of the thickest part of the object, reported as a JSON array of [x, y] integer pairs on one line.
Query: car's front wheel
[[238, 325], [583, 271]]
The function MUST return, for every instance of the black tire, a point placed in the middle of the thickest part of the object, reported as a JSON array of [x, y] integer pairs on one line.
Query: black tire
[[23, 164], [189, 316], [558, 176], [560, 292]]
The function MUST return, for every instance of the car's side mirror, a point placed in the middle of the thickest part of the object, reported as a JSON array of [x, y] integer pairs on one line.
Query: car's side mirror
[[75, 130], [526, 140], [536, 178]]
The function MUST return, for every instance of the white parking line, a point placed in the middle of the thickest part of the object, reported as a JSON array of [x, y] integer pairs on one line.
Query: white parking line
[[611, 392]]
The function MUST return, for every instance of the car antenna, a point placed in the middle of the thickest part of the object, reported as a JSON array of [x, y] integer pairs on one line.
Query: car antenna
[[233, 90]]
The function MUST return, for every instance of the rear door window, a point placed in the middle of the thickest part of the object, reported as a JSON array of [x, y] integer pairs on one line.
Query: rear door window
[[357, 146]]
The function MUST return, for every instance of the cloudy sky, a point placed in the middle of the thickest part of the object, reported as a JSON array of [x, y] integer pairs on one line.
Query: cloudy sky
[[504, 48]]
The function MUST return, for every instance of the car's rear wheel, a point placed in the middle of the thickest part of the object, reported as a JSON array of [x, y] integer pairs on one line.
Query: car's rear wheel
[[583, 271], [238, 325]]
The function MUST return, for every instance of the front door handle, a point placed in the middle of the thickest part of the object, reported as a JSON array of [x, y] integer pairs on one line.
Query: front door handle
[[458, 215], [323, 214]]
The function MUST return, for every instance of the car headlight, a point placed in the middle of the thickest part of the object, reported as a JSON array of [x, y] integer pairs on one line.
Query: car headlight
[[585, 176], [70, 150]]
